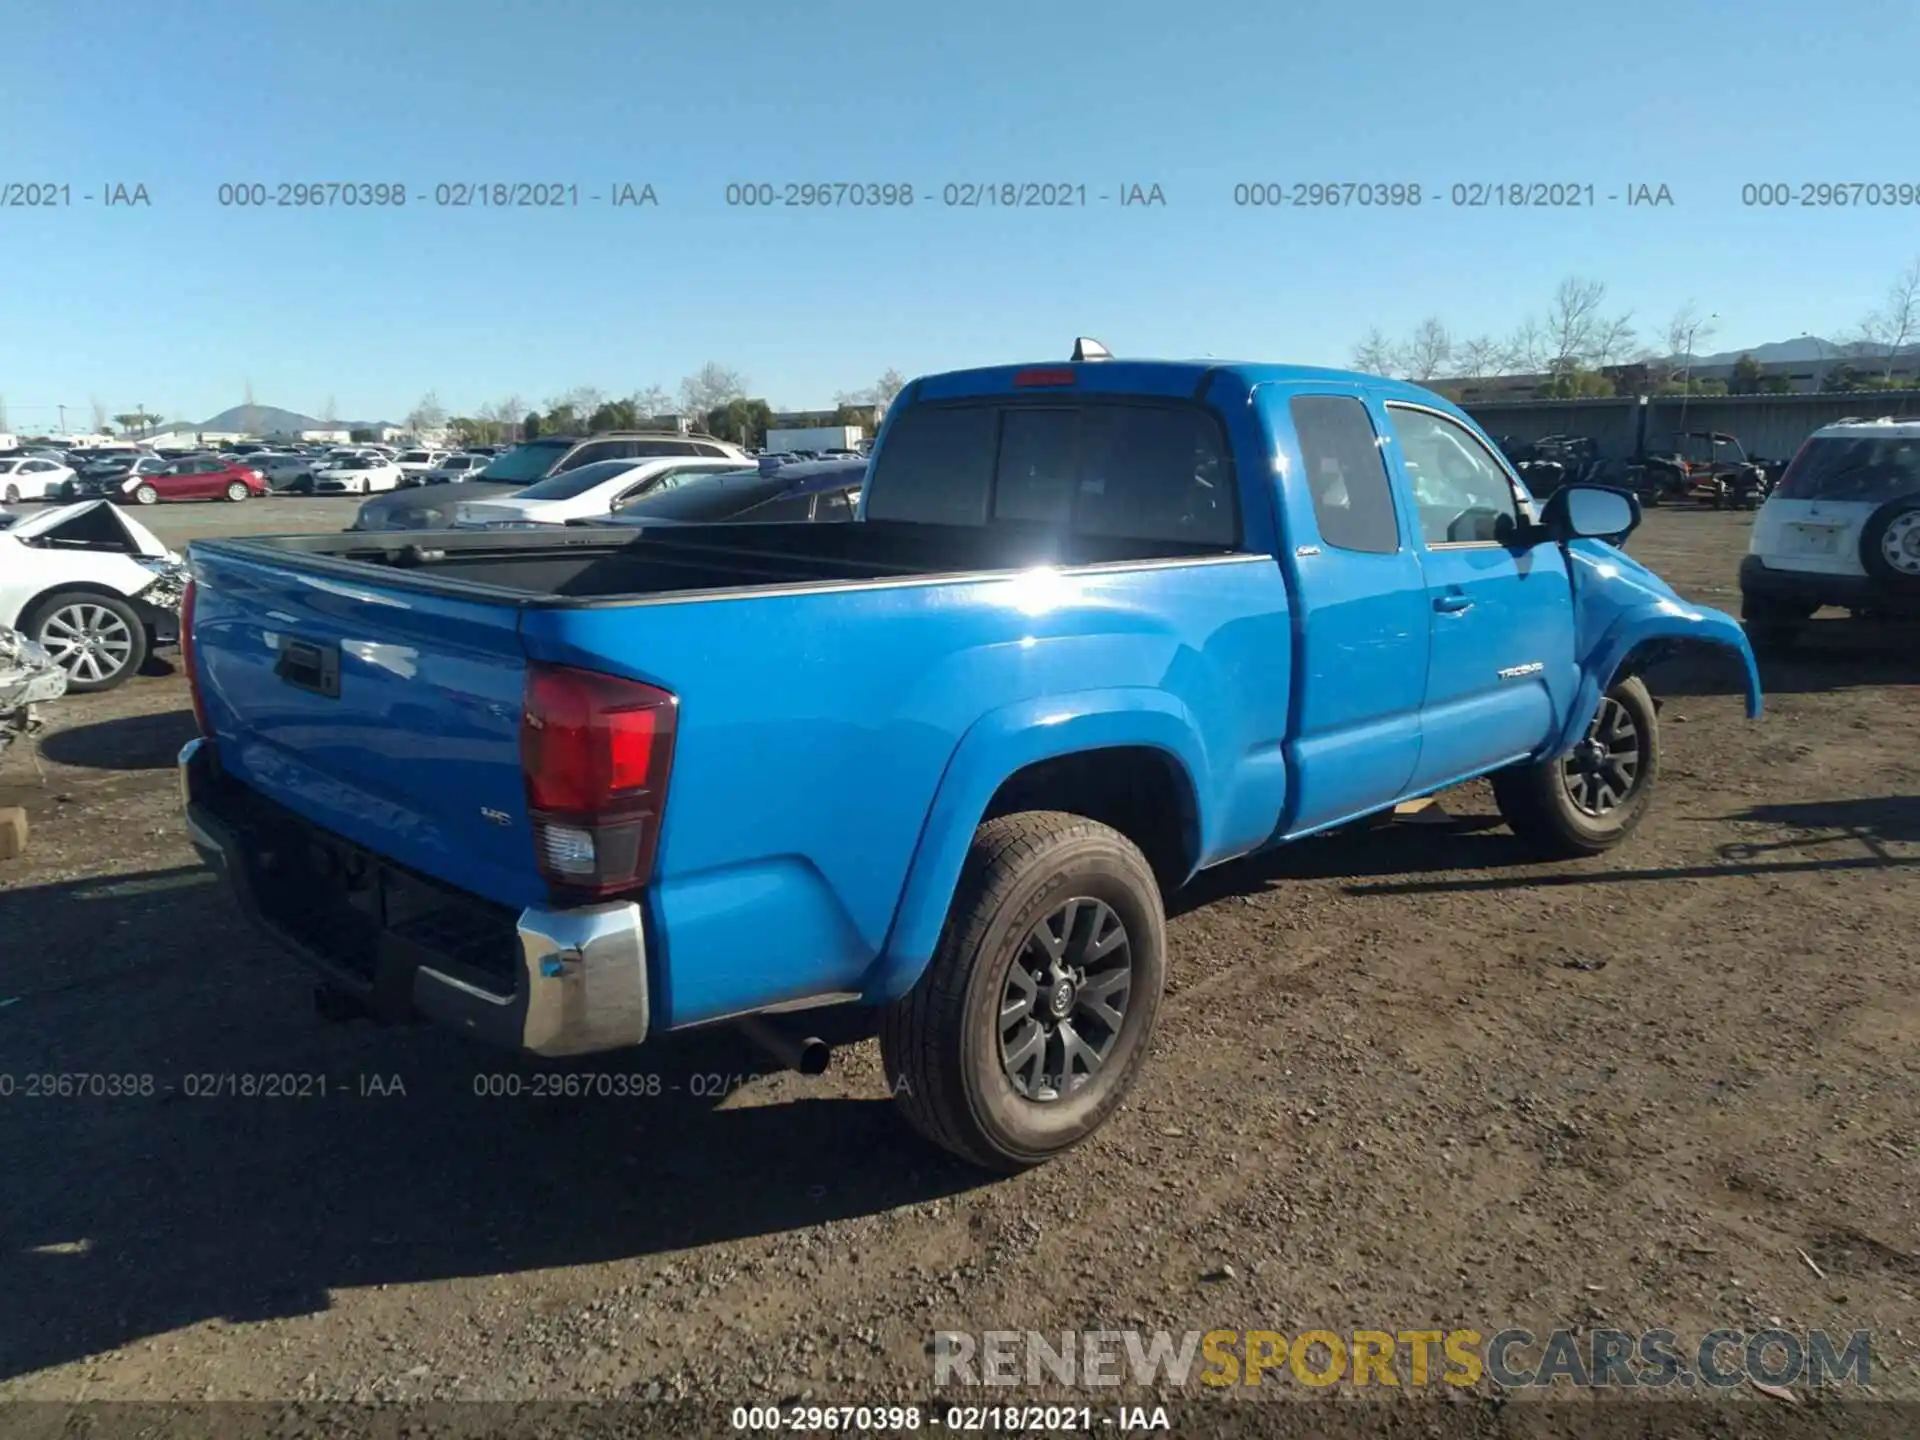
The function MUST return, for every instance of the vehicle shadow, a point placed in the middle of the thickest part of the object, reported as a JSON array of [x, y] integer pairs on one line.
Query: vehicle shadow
[[132, 742], [385, 1155], [1873, 823], [1478, 843]]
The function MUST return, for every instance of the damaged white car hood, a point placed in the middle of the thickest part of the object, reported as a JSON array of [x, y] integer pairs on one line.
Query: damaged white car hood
[[143, 539]]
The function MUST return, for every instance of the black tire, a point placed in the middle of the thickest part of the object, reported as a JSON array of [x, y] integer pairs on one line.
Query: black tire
[[944, 1044], [1538, 803], [13, 495], [1874, 537], [67, 619], [237, 492], [146, 495]]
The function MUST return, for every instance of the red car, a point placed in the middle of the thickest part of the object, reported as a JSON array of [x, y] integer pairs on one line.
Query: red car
[[197, 477]]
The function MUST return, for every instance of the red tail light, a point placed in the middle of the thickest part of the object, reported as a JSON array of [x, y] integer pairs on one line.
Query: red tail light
[[187, 602], [596, 751], [1058, 375]]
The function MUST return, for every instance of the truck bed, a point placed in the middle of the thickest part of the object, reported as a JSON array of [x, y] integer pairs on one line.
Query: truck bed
[[576, 565]]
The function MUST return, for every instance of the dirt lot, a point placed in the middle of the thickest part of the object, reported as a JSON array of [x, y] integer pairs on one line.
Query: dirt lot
[[1403, 1080]]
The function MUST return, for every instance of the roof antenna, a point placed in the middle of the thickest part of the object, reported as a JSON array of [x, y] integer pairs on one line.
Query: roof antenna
[[1089, 349]]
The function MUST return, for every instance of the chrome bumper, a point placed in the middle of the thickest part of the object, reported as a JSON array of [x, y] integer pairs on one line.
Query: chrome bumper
[[581, 981]]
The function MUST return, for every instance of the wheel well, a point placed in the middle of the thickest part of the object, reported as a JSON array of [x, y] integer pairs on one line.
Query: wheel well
[[1141, 791], [70, 587]]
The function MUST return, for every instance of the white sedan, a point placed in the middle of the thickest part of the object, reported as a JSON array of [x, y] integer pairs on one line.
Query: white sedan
[[94, 586], [416, 463], [30, 477], [585, 492], [358, 475]]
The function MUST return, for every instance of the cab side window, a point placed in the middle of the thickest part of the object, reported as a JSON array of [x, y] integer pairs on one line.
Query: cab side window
[[1346, 474], [1463, 496]]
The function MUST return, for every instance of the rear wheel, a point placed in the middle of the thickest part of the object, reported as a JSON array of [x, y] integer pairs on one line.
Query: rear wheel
[[97, 639], [1589, 800], [1890, 546], [1032, 1020], [13, 494]]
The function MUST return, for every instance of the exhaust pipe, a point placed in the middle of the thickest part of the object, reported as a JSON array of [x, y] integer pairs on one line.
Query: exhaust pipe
[[810, 1056]]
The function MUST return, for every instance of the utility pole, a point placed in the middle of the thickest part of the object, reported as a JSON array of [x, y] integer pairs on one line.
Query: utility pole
[[63, 418], [1686, 392]]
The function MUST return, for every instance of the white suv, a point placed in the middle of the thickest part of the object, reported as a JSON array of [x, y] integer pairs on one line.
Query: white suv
[[1841, 528]]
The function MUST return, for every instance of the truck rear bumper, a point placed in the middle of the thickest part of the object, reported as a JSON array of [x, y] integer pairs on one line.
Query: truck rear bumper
[[550, 981]]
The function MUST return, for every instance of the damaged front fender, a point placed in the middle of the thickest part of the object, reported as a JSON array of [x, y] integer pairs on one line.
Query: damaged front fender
[[1627, 617]]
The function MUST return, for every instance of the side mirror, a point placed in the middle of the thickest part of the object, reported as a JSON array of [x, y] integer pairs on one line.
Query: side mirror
[[1590, 512]]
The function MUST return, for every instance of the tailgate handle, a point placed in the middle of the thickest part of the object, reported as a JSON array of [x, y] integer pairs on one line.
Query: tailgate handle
[[310, 667]]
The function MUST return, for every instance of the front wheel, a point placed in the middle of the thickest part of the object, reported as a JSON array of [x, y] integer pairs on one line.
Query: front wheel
[[147, 495], [13, 494], [1589, 800], [236, 491], [1032, 1020]]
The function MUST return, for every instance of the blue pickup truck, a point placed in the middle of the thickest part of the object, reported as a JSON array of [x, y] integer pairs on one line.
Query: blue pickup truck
[[1100, 626]]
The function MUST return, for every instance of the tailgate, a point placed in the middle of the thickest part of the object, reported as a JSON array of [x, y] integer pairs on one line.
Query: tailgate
[[386, 715]]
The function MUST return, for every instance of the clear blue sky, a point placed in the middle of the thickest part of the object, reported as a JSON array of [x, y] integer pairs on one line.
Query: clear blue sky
[[178, 305]]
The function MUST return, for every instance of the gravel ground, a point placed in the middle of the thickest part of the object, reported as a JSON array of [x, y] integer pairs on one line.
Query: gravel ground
[[1403, 1080]]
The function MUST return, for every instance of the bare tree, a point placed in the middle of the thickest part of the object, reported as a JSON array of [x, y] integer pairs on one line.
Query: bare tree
[[513, 418], [1482, 355], [1685, 330], [1526, 348], [1376, 355], [886, 389], [583, 400], [429, 414], [1573, 321], [1427, 353], [651, 401], [1896, 324], [710, 387], [1614, 342]]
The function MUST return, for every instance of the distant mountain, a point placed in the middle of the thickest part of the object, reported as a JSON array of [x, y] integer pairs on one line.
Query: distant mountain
[[1802, 350], [266, 420]]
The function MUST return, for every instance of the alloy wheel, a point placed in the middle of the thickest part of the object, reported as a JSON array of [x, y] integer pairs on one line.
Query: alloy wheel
[[87, 640], [1064, 1000], [1603, 770]]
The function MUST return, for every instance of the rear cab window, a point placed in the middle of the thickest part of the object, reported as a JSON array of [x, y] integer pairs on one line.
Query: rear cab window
[[1119, 468]]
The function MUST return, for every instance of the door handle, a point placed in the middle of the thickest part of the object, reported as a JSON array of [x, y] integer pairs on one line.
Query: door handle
[[1452, 604]]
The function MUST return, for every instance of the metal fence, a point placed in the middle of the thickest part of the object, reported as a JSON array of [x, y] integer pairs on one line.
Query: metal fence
[[1769, 426]]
